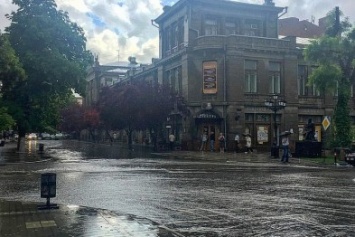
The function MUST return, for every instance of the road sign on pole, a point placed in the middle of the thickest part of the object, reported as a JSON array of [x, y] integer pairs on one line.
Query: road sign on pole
[[325, 123]]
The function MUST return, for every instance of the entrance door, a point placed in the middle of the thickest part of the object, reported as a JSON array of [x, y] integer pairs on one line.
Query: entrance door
[[209, 128]]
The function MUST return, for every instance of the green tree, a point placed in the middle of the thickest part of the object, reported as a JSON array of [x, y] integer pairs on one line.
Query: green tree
[[6, 120], [52, 50], [335, 55], [11, 75]]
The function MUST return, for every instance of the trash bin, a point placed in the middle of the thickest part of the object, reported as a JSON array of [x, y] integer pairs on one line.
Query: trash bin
[[48, 185], [275, 151], [48, 190], [41, 147]]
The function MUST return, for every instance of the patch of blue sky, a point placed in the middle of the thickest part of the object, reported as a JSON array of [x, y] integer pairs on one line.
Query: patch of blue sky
[[96, 20], [116, 31], [168, 2]]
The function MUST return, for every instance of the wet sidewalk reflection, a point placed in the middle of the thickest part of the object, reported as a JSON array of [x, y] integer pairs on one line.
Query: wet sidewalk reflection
[[20, 219]]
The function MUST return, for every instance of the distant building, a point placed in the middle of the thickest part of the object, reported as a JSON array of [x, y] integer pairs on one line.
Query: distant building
[[292, 26], [99, 76]]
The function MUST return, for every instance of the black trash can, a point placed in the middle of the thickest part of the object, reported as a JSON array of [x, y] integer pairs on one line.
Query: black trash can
[[275, 151], [41, 147], [48, 185]]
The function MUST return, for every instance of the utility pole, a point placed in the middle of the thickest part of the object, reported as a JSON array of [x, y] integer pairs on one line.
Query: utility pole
[[337, 22]]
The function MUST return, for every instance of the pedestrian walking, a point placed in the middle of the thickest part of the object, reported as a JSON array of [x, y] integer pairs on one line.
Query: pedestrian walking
[[236, 143], [248, 146], [285, 144], [203, 141], [171, 141], [221, 140], [212, 140]]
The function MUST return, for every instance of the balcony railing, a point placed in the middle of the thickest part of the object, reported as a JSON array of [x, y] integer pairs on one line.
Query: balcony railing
[[242, 41]]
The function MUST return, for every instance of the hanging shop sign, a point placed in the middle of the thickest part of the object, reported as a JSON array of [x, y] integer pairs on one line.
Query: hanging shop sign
[[209, 72]]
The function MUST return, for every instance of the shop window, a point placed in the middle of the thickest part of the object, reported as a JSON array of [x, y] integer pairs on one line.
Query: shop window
[[263, 117], [249, 117]]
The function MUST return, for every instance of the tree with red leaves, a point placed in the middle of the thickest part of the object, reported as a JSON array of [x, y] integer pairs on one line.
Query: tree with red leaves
[[75, 118], [137, 106]]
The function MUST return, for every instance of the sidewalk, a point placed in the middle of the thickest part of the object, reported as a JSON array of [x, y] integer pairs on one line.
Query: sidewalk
[[9, 154], [255, 157], [18, 219]]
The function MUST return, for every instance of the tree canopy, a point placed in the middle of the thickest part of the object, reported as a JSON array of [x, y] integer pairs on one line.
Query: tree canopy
[[52, 50], [334, 54], [137, 106], [11, 75]]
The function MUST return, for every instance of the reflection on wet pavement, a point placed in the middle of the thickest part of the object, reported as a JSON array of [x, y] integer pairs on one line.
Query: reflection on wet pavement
[[198, 198], [24, 219]]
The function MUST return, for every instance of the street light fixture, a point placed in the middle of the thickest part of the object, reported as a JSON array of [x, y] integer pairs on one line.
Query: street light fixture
[[275, 104]]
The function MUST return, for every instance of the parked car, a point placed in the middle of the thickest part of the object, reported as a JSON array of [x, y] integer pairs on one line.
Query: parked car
[[59, 136], [45, 136], [350, 157], [31, 136]]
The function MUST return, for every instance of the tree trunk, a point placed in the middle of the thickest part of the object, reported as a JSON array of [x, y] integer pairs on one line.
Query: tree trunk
[[129, 133], [21, 142], [109, 136], [153, 135], [92, 134]]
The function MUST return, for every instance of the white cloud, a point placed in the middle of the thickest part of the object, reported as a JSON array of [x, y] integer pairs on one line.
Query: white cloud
[[6, 7], [125, 25]]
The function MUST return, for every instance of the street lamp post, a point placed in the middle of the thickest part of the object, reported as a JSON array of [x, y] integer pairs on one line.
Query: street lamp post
[[275, 104]]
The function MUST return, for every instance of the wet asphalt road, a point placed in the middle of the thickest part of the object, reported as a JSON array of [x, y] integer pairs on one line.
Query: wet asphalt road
[[196, 198]]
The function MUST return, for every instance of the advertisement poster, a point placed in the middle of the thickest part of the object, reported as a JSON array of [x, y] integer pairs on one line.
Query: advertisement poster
[[209, 77], [263, 134]]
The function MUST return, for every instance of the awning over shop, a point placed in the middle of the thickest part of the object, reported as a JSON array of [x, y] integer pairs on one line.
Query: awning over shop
[[207, 115]]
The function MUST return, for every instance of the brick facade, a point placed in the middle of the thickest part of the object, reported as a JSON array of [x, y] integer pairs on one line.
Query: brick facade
[[249, 64]]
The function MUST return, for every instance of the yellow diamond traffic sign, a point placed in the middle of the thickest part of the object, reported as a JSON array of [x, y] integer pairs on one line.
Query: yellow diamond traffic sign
[[325, 123]]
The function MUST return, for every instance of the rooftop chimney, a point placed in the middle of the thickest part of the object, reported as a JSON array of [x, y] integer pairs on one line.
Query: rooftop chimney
[[269, 3]]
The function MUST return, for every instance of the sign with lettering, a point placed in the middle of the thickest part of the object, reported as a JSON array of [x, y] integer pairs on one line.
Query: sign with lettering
[[209, 72]]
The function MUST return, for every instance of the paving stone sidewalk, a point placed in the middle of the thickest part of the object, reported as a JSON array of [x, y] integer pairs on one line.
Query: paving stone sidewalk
[[18, 219]]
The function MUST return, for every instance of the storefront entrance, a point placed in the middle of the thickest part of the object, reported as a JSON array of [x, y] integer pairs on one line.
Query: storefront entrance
[[208, 122]]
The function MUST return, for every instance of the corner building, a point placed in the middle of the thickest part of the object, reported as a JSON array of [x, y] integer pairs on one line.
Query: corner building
[[225, 59]]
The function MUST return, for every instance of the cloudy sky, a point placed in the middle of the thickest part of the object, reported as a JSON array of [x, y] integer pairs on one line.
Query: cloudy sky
[[117, 29]]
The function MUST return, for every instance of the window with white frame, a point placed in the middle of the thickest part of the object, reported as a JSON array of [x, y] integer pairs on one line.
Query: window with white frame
[[230, 27], [250, 76], [211, 27], [275, 77]]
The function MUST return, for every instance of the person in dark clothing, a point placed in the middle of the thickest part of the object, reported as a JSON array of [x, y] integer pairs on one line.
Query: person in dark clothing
[[221, 141], [212, 140], [310, 131]]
